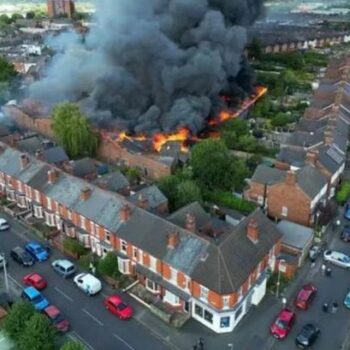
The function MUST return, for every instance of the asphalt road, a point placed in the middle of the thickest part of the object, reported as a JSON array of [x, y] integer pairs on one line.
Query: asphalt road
[[90, 321], [334, 327]]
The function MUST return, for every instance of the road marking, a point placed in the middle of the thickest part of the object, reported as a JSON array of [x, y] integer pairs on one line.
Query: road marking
[[93, 317], [123, 341], [81, 339], [63, 293], [104, 295], [14, 281]]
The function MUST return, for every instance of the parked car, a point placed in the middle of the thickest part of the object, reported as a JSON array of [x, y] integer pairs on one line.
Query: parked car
[[88, 283], [347, 300], [4, 225], [347, 211], [118, 307], [345, 234], [283, 324], [64, 267], [19, 255], [307, 336], [37, 251], [337, 258], [32, 295], [35, 280], [305, 296], [314, 252], [3, 261], [56, 318]]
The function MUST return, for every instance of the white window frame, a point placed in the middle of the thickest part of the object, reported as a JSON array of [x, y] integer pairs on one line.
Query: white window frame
[[240, 294], [140, 257], [50, 219], [284, 211], [155, 287], [19, 186], [69, 214], [152, 263], [93, 228], [124, 246], [260, 200], [173, 275], [38, 211], [107, 236], [49, 203], [226, 301], [171, 298], [83, 222], [37, 196], [134, 253], [124, 265], [84, 239], [21, 201], [204, 293], [11, 194]]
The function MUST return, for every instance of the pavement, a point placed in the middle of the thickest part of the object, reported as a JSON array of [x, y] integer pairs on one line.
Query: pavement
[[99, 330]]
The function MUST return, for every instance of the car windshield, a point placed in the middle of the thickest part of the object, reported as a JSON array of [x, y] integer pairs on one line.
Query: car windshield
[[344, 259], [281, 324], [57, 318], [37, 299], [39, 250], [122, 306], [26, 257]]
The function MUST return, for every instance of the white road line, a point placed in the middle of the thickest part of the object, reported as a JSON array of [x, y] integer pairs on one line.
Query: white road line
[[63, 293], [123, 341], [104, 295], [93, 317], [14, 281], [81, 339]]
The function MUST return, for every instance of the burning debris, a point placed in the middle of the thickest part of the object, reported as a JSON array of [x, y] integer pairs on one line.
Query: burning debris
[[157, 66]]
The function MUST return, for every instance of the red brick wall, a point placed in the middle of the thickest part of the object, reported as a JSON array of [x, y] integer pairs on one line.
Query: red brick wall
[[255, 190]]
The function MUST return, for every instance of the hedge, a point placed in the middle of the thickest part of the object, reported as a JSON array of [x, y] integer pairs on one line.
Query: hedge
[[343, 193]]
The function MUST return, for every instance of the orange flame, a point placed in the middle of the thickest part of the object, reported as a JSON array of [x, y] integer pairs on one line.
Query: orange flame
[[159, 139]]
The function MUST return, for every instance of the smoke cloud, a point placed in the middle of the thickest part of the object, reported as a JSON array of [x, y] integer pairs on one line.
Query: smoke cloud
[[154, 65]]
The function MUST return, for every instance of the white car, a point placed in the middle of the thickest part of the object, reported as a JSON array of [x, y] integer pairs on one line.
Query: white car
[[4, 225], [337, 258], [88, 283]]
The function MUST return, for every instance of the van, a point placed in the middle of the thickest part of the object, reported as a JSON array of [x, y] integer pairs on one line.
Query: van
[[4, 225], [64, 267], [88, 283]]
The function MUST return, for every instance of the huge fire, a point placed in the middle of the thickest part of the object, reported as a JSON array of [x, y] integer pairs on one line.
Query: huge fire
[[184, 135]]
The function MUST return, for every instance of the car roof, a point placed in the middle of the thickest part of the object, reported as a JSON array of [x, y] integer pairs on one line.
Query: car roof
[[31, 292], [64, 262], [338, 254], [308, 329], [34, 244], [18, 250], [52, 310], [87, 277], [3, 221], [305, 291], [35, 277], [115, 299], [286, 315]]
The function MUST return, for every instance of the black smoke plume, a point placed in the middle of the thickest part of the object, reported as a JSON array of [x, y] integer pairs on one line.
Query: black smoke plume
[[153, 65]]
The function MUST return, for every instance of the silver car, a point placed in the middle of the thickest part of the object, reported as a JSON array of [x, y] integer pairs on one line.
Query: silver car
[[64, 267], [337, 258]]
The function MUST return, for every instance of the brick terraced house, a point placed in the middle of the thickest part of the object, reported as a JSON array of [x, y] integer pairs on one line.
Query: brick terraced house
[[208, 269]]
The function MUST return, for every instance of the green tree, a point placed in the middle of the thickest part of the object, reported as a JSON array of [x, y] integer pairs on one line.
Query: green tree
[[255, 48], [238, 125], [168, 185], [5, 19], [7, 70], [73, 130], [16, 16], [213, 166], [17, 317], [30, 15], [73, 246], [108, 266], [38, 334], [187, 192], [72, 345]]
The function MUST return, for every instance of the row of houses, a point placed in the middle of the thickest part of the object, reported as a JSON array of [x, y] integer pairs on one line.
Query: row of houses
[[312, 159], [197, 264]]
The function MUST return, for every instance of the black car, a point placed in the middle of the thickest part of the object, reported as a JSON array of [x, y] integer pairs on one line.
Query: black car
[[21, 256], [307, 336], [345, 234], [314, 252]]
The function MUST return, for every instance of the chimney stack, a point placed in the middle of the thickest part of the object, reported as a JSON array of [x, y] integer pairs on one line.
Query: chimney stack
[[311, 157], [190, 223], [24, 160], [253, 231], [39, 154], [124, 213], [52, 176], [291, 177], [142, 201], [328, 137], [173, 240], [85, 193]]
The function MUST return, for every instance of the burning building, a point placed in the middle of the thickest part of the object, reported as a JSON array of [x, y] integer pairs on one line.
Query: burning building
[[57, 8]]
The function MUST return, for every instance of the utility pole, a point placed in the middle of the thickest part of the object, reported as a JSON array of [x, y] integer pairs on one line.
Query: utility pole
[[5, 273]]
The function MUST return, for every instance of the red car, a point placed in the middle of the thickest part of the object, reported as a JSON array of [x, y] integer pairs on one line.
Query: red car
[[35, 280], [56, 318], [283, 324], [305, 296], [116, 306]]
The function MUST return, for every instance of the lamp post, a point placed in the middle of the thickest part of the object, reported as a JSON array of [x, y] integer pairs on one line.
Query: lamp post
[[279, 276], [5, 272], [230, 346]]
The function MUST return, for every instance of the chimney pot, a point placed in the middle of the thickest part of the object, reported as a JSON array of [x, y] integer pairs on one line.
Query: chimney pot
[[85, 193], [173, 240], [190, 223], [142, 201], [39, 154], [311, 157], [124, 213], [52, 176], [253, 231], [24, 160], [328, 137], [291, 177]]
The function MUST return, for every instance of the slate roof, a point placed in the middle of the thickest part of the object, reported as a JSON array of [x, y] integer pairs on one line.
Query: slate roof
[[55, 155], [295, 157], [305, 139], [30, 144], [311, 180], [153, 194], [266, 175], [84, 167], [331, 158], [113, 181], [295, 235]]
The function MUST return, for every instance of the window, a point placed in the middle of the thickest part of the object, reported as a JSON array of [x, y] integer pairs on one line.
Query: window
[[238, 312], [123, 265], [284, 211], [82, 223], [226, 301], [84, 239], [134, 253], [240, 294], [171, 298], [19, 186], [204, 293], [140, 256], [173, 275], [260, 200], [38, 211], [11, 196], [108, 236], [153, 263], [124, 246], [49, 203], [225, 322], [50, 219], [152, 286], [37, 196], [208, 316], [93, 228], [21, 201], [69, 215], [198, 310]]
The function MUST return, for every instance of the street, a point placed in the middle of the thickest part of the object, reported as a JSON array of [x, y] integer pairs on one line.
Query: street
[[90, 321]]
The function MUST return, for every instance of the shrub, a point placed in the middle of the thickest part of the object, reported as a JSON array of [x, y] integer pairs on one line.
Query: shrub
[[343, 193], [108, 266], [73, 246], [72, 345]]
